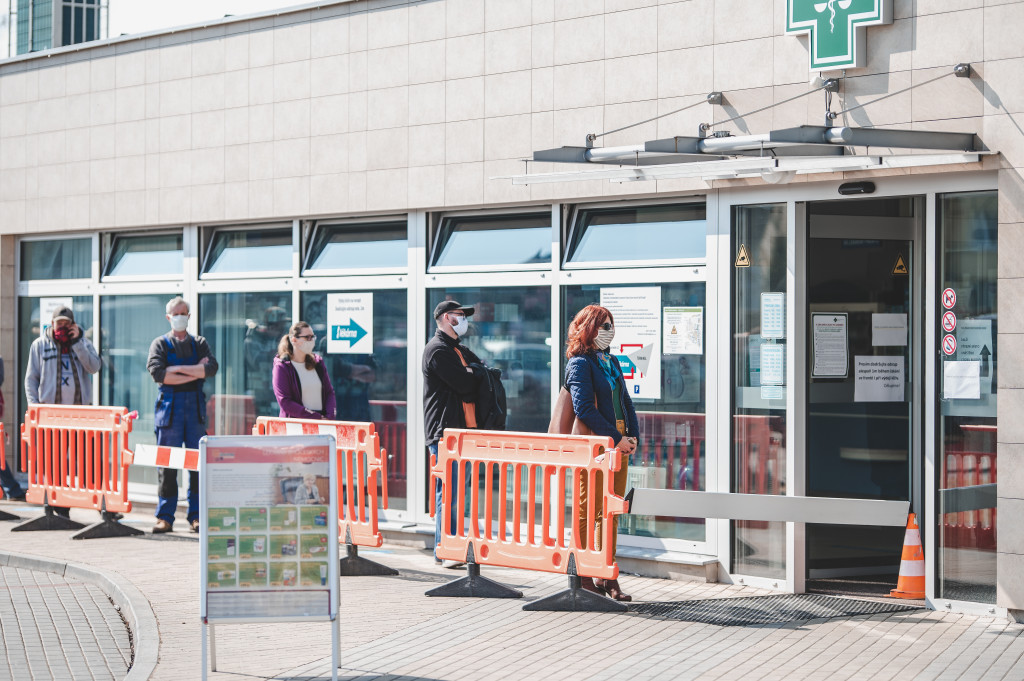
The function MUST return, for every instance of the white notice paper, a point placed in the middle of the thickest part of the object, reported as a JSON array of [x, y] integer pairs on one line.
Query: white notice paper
[[773, 364], [961, 380], [637, 312], [350, 323], [773, 315], [974, 344], [683, 330], [830, 343], [889, 329], [878, 379]]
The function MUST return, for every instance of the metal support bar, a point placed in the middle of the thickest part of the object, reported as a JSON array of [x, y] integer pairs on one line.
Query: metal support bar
[[826, 510]]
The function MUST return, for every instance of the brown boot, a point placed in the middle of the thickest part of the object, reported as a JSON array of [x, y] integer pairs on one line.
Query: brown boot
[[162, 526], [611, 587], [587, 583]]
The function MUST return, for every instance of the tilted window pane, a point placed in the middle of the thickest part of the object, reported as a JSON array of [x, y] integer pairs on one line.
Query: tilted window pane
[[57, 259], [493, 240], [134, 256], [342, 247], [268, 250], [676, 232]]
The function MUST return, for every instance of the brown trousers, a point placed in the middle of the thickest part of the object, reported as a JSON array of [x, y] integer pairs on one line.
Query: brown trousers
[[619, 484]]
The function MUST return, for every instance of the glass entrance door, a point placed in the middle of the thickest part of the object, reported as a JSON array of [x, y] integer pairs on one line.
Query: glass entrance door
[[863, 377]]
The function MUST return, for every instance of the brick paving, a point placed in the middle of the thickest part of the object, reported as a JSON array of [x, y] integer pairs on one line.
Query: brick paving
[[391, 630]]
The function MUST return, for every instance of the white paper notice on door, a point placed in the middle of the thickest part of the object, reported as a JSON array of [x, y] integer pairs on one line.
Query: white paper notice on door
[[961, 380], [889, 329], [878, 379], [829, 330], [773, 364]]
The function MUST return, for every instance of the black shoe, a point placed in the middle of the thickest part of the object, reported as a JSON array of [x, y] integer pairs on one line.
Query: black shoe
[[20, 497]]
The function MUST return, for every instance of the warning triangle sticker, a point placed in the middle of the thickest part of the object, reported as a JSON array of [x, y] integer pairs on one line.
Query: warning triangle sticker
[[742, 259], [900, 267]]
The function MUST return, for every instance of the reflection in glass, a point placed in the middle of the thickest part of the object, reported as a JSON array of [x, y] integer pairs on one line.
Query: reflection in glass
[[129, 326], [490, 240], [676, 232], [967, 555], [266, 250], [243, 330], [338, 247], [135, 256], [671, 453], [56, 259], [372, 387], [759, 416]]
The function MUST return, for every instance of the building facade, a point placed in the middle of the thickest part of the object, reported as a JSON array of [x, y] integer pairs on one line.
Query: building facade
[[45, 24], [808, 301]]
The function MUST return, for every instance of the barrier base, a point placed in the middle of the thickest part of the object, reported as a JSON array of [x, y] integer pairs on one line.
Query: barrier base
[[108, 527], [577, 599], [354, 565], [49, 521], [474, 586], [4, 515]]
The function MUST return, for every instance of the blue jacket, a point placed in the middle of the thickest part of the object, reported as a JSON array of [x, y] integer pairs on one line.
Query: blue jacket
[[584, 378]]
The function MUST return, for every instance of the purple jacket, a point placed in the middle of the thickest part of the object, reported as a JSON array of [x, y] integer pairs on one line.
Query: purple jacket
[[289, 392]]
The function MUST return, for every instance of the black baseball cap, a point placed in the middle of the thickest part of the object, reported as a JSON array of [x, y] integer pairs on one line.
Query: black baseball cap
[[450, 306], [64, 312]]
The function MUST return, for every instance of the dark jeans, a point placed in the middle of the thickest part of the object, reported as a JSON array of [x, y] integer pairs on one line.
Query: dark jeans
[[186, 430]]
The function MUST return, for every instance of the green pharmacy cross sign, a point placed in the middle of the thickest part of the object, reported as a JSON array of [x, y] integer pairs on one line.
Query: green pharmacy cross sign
[[836, 28]]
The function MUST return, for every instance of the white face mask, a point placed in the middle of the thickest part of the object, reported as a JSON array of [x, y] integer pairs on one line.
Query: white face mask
[[179, 322], [303, 346], [604, 338], [461, 326]]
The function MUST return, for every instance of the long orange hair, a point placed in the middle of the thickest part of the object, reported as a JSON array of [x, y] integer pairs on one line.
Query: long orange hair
[[583, 330]]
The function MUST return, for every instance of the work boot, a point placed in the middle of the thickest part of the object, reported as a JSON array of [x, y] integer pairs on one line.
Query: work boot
[[611, 587], [162, 526], [587, 583]]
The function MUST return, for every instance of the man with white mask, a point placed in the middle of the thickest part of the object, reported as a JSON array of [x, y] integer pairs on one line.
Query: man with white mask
[[449, 391], [179, 363]]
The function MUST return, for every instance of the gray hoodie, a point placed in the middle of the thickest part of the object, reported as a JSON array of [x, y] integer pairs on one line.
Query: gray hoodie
[[44, 368]]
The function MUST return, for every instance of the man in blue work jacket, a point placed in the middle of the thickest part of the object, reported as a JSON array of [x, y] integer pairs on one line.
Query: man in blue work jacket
[[179, 362]]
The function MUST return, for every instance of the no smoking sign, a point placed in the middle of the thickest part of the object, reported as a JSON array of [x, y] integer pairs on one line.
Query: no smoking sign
[[948, 321]]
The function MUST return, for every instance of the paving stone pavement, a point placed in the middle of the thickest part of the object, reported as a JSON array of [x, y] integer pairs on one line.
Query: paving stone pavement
[[55, 627], [390, 630]]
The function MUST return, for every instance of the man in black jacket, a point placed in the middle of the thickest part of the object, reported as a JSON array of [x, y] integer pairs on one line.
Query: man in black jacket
[[449, 391]]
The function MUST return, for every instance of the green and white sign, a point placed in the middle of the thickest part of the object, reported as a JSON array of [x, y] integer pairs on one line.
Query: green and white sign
[[836, 28]]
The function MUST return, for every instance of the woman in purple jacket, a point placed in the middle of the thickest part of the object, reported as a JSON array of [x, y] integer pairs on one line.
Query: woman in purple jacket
[[301, 384]]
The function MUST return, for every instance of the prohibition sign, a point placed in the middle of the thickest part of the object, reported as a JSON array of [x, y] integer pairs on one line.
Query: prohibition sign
[[948, 320], [948, 298], [949, 344]]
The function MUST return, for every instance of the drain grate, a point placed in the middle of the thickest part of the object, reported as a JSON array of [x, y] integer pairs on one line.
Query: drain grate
[[738, 612]]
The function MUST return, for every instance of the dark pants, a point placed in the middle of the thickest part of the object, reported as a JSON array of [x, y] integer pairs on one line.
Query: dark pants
[[184, 430]]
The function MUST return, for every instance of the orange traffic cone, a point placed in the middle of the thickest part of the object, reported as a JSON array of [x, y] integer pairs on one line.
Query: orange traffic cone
[[911, 582]]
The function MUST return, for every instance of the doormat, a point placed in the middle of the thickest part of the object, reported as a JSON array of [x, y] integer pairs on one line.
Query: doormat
[[753, 610]]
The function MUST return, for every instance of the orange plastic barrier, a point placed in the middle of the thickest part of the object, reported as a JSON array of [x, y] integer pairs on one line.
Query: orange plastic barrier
[[77, 456], [361, 470], [490, 535]]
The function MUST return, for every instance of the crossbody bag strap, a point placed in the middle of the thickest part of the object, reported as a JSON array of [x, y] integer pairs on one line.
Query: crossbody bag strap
[[468, 408]]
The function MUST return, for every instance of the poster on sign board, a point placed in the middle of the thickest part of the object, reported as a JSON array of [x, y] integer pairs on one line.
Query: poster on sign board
[[350, 323], [268, 528], [637, 344]]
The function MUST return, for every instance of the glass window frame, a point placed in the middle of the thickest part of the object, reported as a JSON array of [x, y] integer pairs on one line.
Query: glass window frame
[[208, 236], [434, 241], [309, 235], [108, 241], [575, 214], [94, 269]]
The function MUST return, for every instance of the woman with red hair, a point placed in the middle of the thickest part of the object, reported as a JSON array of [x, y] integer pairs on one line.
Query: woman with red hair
[[600, 401]]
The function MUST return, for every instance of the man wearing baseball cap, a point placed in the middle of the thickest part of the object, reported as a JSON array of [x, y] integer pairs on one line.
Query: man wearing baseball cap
[[449, 391], [60, 366]]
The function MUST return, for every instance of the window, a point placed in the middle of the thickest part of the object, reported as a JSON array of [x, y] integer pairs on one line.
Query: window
[[638, 233], [358, 246], [243, 330], [56, 259], [758, 394], [490, 241], [248, 251], [671, 451], [372, 387], [130, 323], [967, 410], [135, 256]]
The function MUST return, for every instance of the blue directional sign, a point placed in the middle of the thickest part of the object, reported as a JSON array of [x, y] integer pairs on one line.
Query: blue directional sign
[[350, 322], [351, 332]]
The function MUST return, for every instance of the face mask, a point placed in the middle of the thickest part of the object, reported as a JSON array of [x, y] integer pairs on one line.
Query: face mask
[[62, 335], [604, 338], [461, 327], [179, 322], [303, 346]]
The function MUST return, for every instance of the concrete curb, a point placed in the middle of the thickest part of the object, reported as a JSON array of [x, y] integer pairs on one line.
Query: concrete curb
[[133, 605]]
